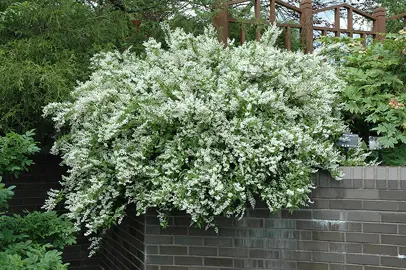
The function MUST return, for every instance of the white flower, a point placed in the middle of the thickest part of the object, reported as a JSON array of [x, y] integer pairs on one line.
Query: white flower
[[300, 190], [290, 192]]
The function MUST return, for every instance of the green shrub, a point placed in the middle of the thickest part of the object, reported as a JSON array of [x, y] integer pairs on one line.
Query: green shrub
[[375, 94], [33, 240]]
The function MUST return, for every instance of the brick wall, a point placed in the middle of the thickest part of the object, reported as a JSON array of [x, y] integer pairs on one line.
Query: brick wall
[[30, 194], [356, 224]]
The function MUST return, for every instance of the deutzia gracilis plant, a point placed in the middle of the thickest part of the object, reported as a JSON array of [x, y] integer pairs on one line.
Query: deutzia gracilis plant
[[196, 127]]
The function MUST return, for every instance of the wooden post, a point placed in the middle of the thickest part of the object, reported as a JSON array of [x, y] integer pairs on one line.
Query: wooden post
[[380, 22], [350, 23], [272, 11], [337, 22], [306, 20], [242, 34], [258, 19], [288, 42], [220, 21]]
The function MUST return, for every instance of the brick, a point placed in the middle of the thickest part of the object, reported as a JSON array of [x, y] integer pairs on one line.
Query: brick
[[312, 245], [150, 229], [203, 251], [402, 229], [252, 243], [348, 172], [305, 235], [224, 222], [324, 179], [289, 234], [158, 239], [172, 250], [341, 183], [233, 252], [247, 264], [361, 194], [401, 206], [199, 232], [328, 257], [370, 173], [380, 205], [392, 195], [369, 184], [312, 266], [261, 233], [280, 224], [262, 213], [188, 260], [250, 222], [345, 267], [153, 267], [213, 261], [327, 215], [278, 264], [264, 253], [363, 216], [218, 241], [393, 239], [381, 173], [181, 221], [173, 268], [281, 243], [296, 255], [188, 240], [394, 262], [393, 173], [393, 184], [362, 259], [228, 232], [402, 251], [381, 184], [345, 204], [160, 259], [151, 249], [362, 237], [297, 214], [394, 217], [320, 204], [379, 228], [380, 250], [379, 268], [328, 236], [345, 247], [357, 183], [358, 173]]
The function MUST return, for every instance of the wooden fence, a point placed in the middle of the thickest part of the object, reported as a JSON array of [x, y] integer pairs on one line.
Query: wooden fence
[[306, 25]]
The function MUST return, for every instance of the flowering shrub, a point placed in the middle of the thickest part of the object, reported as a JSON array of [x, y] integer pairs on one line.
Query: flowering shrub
[[197, 127]]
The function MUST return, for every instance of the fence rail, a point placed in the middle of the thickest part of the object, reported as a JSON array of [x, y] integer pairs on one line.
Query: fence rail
[[306, 25]]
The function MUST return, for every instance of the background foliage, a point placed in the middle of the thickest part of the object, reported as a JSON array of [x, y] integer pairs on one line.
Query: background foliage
[[375, 94], [33, 240]]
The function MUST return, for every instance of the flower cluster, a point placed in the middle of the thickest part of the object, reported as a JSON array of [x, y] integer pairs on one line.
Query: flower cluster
[[196, 127]]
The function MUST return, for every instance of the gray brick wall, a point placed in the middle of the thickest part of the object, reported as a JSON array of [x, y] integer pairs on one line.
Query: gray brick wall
[[358, 223]]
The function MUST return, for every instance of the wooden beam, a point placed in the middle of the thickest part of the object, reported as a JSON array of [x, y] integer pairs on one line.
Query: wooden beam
[[289, 6]]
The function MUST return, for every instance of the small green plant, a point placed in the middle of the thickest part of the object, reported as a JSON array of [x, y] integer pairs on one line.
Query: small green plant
[[375, 97], [32, 240]]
